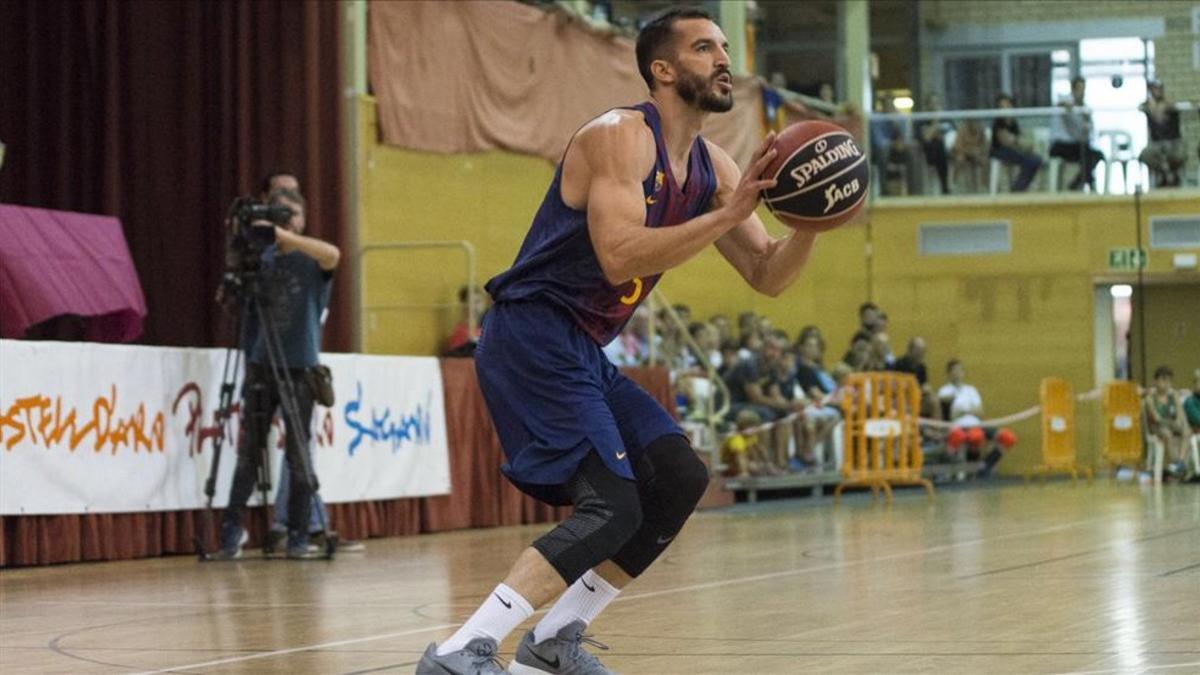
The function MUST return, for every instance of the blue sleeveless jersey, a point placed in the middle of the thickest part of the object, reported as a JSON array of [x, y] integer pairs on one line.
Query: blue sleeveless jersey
[[558, 264]]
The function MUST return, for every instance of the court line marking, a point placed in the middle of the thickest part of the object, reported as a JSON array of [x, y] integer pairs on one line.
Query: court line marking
[[666, 591], [1140, 669]]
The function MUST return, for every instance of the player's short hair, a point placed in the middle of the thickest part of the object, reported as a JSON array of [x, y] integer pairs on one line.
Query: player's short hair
[[951, 363], [658, 34], [866, 306], [1163, 371]]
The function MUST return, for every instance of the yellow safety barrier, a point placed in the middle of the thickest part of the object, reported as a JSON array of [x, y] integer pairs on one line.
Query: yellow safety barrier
[[1058, 431], [882, 440], [1123, 441]]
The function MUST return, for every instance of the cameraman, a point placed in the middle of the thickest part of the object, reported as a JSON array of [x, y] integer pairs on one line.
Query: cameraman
[[296, 274]]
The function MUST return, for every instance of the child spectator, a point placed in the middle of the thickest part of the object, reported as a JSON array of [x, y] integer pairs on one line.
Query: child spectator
[[741, 453], [1166, 419]]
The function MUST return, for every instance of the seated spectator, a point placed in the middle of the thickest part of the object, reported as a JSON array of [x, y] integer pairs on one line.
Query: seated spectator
[[1070, 138], [747, 323], [741, 454], [1165, 420], [932, 134], [890, 151], [753, 385], [913, 361], [962, 405], [868, 317], [462, 340], [1191, 407], [1165, 154], [729, 356], [859, 354], [970, 154], [724, 329], [1009, 149], [879, 357], [821, 416], [693, 381], [632, 346], [933, 438]]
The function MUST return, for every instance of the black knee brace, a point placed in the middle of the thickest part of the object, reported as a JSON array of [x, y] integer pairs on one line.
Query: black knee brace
[[607, 513], [671, 481]]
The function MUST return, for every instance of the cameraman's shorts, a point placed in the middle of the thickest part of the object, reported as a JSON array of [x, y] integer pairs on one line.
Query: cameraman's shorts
[[554, 396]]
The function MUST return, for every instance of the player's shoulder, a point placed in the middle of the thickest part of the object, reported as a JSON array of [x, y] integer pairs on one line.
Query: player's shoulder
[[619, 126]]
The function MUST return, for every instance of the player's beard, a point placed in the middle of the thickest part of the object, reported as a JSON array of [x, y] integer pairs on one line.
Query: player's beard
[[700, 91]]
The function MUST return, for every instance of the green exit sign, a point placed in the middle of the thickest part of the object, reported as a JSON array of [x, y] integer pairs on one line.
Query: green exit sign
[[1126, 258]]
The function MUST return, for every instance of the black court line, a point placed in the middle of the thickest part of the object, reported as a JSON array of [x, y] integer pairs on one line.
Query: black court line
[[1080, 554], [1181, 569]]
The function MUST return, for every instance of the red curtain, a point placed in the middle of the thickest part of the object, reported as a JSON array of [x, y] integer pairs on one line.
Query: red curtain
[[160, 113], [480, 497]]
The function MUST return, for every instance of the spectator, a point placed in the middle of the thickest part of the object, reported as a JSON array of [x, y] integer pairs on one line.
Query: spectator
[[729, 356], [810, 331], [721, 323], [462, 340], [825, 93], [741, 453], [962, 405], [1007, 146], [859, 353], [1165, 154], [932, 133], [1070, 138], [747, 323], [632, 346], [881, 324], [970, 153], [1165, 419], [913, 361], [684, 313], [820, 416], [749, 346], [868, 316], [753, 385], [890, 151], [879, 357], [1191, 407]]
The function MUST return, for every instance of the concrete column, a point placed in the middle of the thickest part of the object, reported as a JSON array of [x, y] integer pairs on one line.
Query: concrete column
[[854, 53], [354, 86], [733, 22]]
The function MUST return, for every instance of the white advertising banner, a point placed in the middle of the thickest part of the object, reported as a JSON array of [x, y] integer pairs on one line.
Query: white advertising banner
[[90, 428]]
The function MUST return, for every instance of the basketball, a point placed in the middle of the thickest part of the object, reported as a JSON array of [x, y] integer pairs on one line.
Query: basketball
[[821, 176]]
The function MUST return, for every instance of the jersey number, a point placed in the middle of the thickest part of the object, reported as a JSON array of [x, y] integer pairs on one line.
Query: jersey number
[[635, 294]]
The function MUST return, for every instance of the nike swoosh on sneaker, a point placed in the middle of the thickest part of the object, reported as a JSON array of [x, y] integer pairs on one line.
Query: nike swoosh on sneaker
[[665, 540], [507, 604], [553, 664], [585, 585], [621, 455]]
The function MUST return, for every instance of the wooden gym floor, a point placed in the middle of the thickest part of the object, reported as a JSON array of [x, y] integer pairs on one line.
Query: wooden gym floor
[[1001, 579]]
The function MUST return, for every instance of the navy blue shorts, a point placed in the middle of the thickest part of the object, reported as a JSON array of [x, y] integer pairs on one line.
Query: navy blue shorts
[[554, 397]]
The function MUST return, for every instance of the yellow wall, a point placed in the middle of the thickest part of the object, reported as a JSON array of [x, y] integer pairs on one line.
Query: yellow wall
[[1012, 318], [1172, 331]]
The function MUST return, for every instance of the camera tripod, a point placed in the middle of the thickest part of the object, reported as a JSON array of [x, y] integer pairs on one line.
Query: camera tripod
[[251, 306]]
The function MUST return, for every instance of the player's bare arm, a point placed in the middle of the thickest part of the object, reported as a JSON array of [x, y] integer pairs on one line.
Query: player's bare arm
[[614, 154], [769, 265]]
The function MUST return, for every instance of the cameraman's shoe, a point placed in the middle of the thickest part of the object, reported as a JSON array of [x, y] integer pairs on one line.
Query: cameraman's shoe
[[276, 542], [298, 548], [231, 551], [344, 545]]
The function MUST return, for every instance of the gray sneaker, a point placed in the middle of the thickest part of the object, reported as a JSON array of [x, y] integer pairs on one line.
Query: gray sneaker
[[562, 654], [477, 658]]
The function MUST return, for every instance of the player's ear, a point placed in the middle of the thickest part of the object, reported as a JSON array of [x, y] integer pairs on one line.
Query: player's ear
[[662, 70]]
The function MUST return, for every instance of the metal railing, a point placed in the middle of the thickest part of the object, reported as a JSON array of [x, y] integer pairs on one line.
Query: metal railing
[[713, 414], [460, 244]]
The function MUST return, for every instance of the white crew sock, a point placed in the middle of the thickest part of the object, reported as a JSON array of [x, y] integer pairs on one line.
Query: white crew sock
[[503, 611], [583, 601]]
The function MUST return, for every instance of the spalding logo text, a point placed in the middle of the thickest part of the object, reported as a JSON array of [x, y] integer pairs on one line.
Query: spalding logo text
[[844, 150]]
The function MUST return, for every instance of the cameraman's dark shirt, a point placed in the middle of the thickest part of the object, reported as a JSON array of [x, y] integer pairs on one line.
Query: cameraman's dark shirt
[[298, 292], [906, 364]]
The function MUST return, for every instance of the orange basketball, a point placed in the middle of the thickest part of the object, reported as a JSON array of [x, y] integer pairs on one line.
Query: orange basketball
[[821, 175]]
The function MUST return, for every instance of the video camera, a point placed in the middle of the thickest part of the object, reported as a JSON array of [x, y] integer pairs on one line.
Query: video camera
[[245, 241]]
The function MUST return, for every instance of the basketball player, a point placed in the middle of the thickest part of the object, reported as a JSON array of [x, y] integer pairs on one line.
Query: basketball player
[[637, 193]]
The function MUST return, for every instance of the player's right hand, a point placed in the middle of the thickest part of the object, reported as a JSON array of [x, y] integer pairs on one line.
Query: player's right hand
[[744, 199]]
